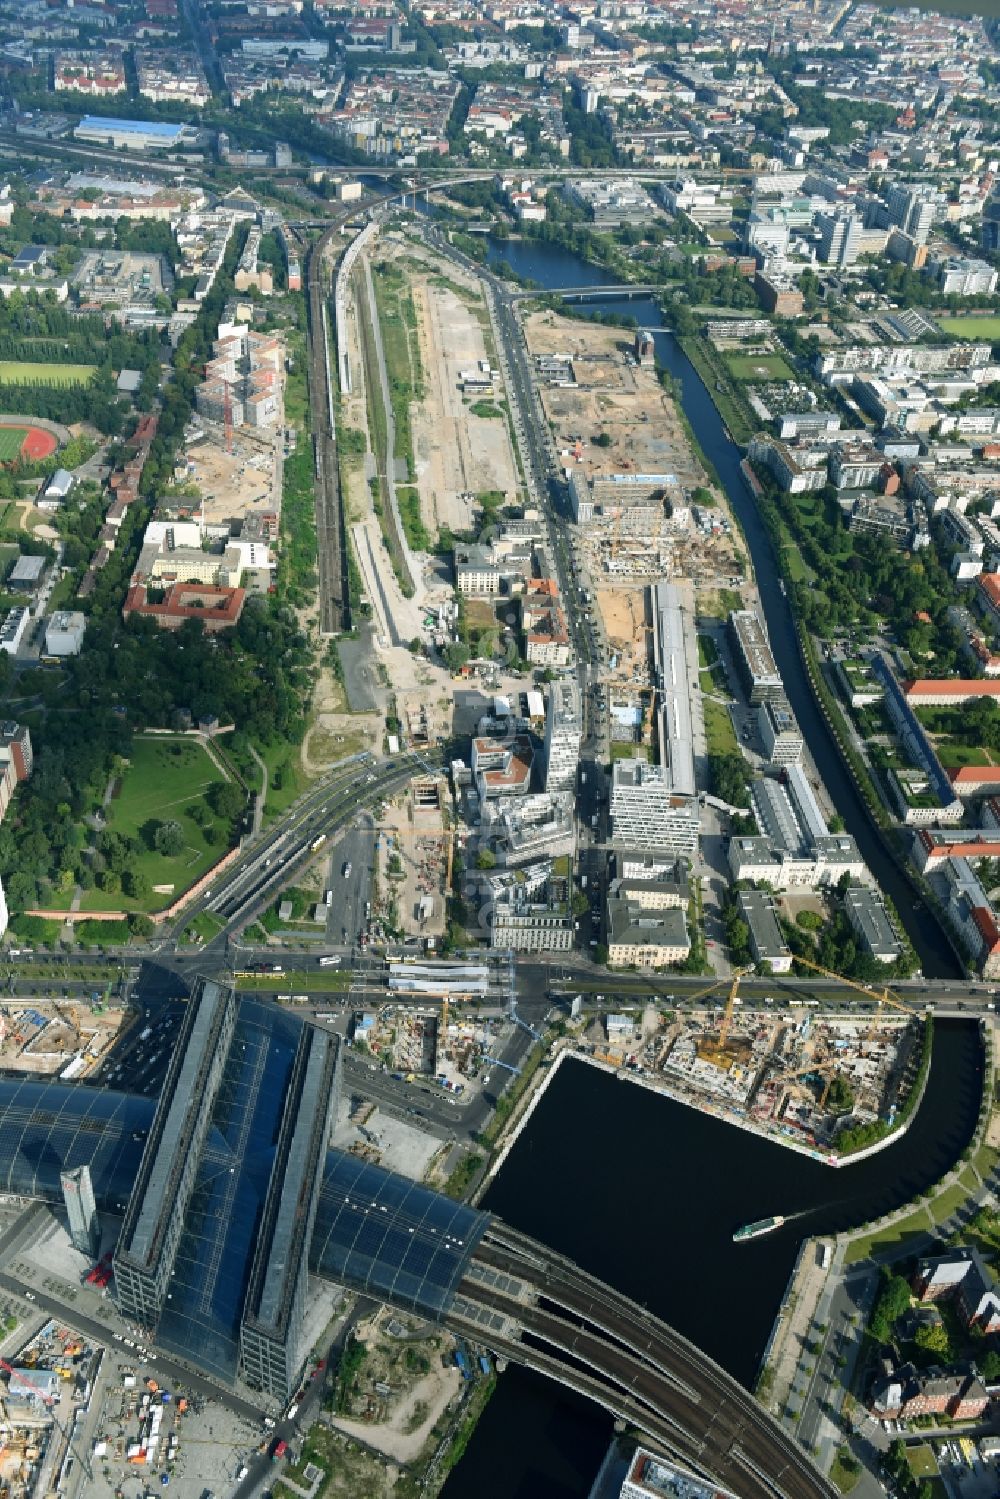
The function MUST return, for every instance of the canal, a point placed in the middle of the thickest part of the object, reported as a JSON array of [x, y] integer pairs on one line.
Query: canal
[[646, 1192], [550, 266]]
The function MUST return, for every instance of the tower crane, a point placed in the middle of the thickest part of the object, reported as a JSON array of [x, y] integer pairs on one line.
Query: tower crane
[[883, 995]]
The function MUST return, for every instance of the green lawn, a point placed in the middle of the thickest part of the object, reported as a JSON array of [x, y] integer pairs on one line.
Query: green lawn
[[888, 1238], [942, 1206], [166, 778], [921, 1461], [752, 367], [969, 325], [13, 372], [11, 439], [794, 564], [720, 735]]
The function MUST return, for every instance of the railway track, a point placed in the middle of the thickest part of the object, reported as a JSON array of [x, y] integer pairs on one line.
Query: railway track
[[331, 538]]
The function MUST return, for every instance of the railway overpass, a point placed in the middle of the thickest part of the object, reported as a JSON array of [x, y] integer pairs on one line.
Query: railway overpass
[[535, 1307], [623, 290]]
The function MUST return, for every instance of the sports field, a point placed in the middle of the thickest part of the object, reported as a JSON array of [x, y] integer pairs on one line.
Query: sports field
[[11, 442], [12, 372], [758, 367], [166, 781], [971, 326]]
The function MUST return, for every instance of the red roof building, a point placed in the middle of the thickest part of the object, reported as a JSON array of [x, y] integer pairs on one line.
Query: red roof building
[[216, 608]]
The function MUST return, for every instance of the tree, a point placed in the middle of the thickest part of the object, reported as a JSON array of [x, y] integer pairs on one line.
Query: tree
[[602, 440], [135, 884], [840, 1098], [227, 800], [892, 1301], [933, 1339], [168, 839], [456, 655], [486, 859], [110, 882]]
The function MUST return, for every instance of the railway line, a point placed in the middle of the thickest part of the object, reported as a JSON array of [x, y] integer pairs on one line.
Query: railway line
[[565, 1323], [331, 537]]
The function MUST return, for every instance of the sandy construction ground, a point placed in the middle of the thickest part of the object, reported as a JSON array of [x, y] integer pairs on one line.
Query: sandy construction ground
[[233, 483], [623, 612], [612, 398], [457, 453]]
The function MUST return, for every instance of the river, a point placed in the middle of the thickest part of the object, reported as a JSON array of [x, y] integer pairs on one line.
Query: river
[[550, 266], [646, 1192]]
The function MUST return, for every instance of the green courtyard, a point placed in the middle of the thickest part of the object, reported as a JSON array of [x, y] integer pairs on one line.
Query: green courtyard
[[167, 781]]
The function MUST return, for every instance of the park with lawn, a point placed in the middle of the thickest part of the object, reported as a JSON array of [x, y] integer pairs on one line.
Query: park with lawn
[[171, 815], [754, 367]]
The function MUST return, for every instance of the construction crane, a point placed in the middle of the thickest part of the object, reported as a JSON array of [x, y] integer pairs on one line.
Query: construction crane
[[715, 1050], [882, 995], [49, 1401]]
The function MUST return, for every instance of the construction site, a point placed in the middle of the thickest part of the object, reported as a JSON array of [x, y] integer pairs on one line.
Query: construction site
[[55, 1038], [796, 1075], [443, 1042], [641, 496], [414, 853], [227, 475], [405, 1376]]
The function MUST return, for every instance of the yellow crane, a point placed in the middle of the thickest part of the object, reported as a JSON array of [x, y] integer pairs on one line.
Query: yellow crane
[[883, 995], [714, 1050]]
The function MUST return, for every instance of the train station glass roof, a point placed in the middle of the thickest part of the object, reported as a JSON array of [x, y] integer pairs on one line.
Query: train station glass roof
[[375, 1231], [390, 1236]]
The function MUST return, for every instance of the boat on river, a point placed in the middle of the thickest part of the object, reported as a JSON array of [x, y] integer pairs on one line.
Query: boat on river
[[756, 1229]]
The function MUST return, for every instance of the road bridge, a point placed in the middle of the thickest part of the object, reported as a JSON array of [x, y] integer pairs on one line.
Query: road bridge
[[538, 1308]]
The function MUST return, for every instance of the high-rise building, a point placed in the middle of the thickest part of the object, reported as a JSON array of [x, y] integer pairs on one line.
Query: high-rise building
[[563, 732], [154, 1219], [645, 813], [912, 211], [81, 1209], [271, 1343], [839, 238]]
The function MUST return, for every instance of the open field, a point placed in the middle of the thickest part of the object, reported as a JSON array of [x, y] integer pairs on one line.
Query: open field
[[12, 372], [11, 442], [758, 367], [166, 780], [971, 325], [461, 445]]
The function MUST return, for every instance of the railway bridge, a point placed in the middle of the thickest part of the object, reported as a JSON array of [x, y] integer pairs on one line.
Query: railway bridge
[[537, 1308]]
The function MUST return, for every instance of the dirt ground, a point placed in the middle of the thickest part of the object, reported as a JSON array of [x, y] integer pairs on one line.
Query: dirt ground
[[424, 858], [235, 482], [619, 400], [623, 612], [458, 453], [334, 733]]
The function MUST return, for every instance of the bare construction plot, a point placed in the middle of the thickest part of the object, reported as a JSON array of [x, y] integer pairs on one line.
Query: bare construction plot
[[461, 441], [230, 484]]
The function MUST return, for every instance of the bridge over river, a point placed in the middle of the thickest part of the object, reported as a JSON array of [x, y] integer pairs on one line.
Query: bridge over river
[[538, 1308]]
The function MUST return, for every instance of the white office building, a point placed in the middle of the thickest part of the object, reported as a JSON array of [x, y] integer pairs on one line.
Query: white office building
[[840, 236], [645, 813], [563, 733], [64, 633]]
